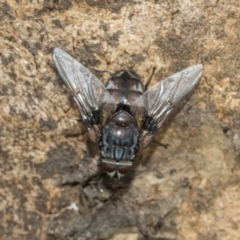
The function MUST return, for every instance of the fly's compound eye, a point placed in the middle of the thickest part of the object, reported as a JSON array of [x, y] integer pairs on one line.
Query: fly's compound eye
[[116, 169], [107, 166]]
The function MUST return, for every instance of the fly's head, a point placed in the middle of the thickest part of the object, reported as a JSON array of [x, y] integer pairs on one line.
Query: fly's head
[[115, 169]]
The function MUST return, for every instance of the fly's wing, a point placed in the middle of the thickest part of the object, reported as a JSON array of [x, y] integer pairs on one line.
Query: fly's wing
[[159, 100], [89, 93]]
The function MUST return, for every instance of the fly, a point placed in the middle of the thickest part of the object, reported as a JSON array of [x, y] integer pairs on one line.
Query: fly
[[122, 116]]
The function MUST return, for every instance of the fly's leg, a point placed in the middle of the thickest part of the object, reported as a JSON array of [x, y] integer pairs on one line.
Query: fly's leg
[[68, 135], [92, 125], [92, 120], [165, 145], [150, 124], [148, 132], [149, 79]]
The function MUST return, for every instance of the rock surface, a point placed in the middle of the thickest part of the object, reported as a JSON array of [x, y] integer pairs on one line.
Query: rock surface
[[49, 187]]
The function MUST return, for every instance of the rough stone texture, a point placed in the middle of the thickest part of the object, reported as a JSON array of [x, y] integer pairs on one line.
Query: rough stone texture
[[188, 191]]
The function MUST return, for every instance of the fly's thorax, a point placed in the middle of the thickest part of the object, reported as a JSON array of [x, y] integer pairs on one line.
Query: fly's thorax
[[125, 87], [119, 143]]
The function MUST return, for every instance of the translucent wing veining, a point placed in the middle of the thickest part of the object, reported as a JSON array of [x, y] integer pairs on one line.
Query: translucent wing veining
[[88, 91], [159, 100]]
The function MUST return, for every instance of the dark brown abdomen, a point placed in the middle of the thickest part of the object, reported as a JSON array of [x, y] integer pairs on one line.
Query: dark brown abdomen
[[125, 88]]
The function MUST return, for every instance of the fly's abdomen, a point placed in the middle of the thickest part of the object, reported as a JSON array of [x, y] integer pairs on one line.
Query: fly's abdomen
[[125, 88]]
